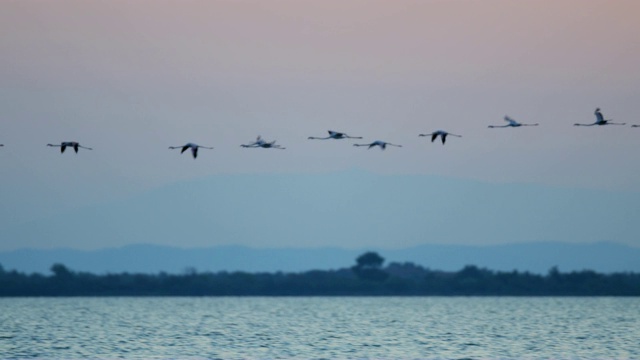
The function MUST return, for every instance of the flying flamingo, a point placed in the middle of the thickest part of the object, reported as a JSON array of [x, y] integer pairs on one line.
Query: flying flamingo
[[599, 120], [443, 135], [74, 144], [192, 146], [511, 123], [335, 135], [382, 144], [260, 143]]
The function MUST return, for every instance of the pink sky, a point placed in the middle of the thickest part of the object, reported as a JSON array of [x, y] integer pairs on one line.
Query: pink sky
[[133, 77], [455, 42]]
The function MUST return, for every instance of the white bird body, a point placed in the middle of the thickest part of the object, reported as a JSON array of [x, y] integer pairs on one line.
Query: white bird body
[[194, 148], [73, 144], [600, 120], [443, 135], [260, 143], [334, 135], [511, 123], [380, 143]]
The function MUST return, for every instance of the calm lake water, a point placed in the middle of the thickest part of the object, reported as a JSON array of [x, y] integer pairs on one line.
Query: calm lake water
[[320, 328]]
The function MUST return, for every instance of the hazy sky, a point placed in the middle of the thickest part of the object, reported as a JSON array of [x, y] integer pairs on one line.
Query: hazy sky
[[130, 78]]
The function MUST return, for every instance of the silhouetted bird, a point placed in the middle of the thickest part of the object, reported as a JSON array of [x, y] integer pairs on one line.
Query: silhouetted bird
[[335, 135], [75, 145], [511, 123], [381, 144], [194, 148], [260, 143], [443, 135], [599, 120]]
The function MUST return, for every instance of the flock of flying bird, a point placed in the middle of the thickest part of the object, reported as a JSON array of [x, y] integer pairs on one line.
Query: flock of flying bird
[[261, 143]]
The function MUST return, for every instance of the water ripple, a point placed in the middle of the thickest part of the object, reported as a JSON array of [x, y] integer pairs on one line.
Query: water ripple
[[320, 328]]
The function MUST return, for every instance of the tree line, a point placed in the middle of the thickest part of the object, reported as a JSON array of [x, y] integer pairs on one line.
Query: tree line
[[368, 277]]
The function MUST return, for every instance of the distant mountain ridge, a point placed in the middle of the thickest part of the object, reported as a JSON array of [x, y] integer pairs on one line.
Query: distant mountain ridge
[[536, 257], [352, 209]]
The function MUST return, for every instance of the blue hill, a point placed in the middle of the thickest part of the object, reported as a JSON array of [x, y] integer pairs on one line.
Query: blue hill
[[533, 257], [351, 209]]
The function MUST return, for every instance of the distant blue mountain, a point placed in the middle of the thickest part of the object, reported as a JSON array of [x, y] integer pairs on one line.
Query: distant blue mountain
[[349, 209], [533, 257]]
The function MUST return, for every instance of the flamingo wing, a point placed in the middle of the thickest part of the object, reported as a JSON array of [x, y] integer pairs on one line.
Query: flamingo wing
[[510, 121]]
